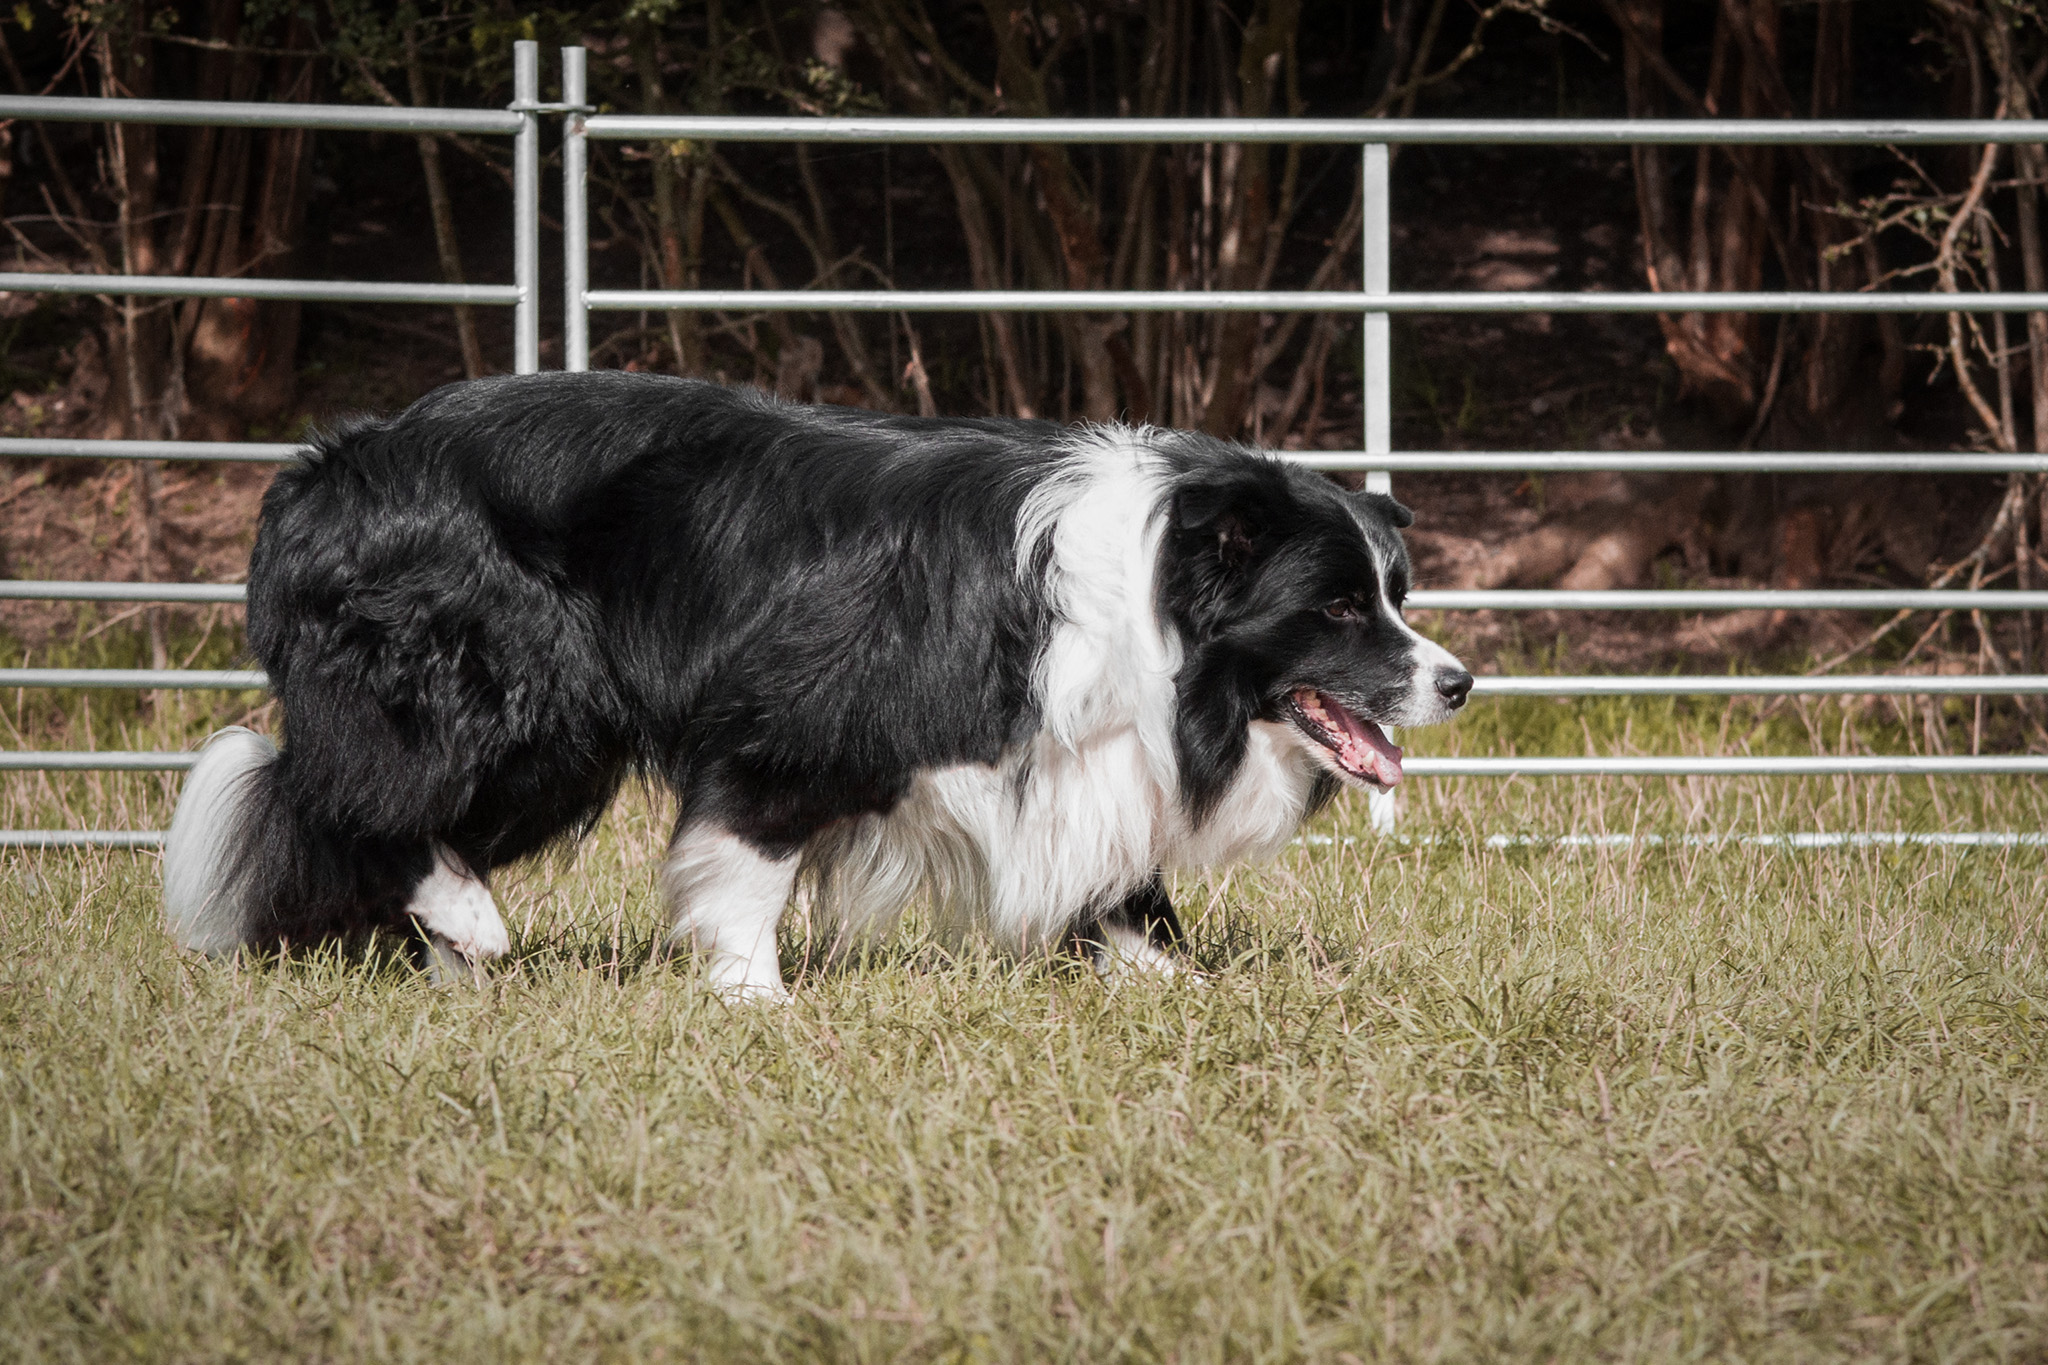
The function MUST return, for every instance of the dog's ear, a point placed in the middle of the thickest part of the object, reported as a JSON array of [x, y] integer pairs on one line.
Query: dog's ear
[[1388, 508], [1229, 515], [1237, 539]]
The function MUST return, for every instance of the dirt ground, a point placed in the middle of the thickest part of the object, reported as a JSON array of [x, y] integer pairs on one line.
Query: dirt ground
[[80, 519]]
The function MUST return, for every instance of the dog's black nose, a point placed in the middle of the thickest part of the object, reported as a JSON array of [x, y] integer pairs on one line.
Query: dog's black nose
[[1454, 685]]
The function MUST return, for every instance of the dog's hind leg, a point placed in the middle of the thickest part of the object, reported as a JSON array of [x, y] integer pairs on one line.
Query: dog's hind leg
[[1142, 934], [455, 910], [727, 898]]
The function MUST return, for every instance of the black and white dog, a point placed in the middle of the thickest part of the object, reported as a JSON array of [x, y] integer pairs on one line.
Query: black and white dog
[[1015, 670]]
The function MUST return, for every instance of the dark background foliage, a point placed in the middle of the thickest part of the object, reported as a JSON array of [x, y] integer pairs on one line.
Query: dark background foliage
[[284, 203]]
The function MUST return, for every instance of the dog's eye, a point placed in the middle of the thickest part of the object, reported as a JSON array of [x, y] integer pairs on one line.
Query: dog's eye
[[1343, 609]]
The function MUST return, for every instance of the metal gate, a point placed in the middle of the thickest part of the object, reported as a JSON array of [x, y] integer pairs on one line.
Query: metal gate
[[1376, 303]]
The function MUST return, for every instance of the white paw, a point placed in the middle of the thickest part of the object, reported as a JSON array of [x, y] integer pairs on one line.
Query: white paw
[[756, 993], [744, 980], [457, 909], [1125, 952], [1384, 810]]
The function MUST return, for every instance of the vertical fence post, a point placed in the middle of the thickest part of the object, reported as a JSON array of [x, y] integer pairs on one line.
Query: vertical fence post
[[575, 216], [1377, 397], [526, 208]]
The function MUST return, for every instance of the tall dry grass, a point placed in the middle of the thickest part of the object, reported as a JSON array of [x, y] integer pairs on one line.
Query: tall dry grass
[[1435, 1101]]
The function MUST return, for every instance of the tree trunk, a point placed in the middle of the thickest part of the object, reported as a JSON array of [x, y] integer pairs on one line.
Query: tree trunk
[[1241, 250], [137, 332], [669, 214], [442, 211], [233, 361], [1072, 212], [1801, 382]]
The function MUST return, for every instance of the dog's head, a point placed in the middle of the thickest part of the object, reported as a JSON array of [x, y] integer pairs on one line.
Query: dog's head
[[1287, 590]]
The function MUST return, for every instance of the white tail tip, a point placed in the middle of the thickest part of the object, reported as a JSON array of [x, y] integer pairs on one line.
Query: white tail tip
[[200, 908]]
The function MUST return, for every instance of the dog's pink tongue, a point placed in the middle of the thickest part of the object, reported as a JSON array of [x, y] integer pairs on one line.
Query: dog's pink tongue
[[1386, 755], [1369, 748]]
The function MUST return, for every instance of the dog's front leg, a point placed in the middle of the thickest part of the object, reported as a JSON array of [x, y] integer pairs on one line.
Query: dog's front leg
[[727, 898], [1142, 934]]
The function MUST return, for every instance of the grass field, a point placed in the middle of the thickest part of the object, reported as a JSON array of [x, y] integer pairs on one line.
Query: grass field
[[1437, 1101]]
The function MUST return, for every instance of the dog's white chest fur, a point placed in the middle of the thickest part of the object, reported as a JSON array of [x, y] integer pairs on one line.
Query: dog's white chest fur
[[1019, 852], [1087, 811]]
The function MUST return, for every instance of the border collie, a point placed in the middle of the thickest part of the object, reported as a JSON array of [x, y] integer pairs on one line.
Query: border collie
[[1013, 671]]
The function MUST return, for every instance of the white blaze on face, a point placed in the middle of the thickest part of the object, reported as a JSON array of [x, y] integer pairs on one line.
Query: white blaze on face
[[1423, 703]]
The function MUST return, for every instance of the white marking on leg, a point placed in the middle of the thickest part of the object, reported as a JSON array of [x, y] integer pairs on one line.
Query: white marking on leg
[[1384, 808], [727, 898], [1127, 952], [461, 919]]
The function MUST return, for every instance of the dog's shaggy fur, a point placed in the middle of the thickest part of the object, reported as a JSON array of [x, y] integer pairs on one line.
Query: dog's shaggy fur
[[1015, 669]]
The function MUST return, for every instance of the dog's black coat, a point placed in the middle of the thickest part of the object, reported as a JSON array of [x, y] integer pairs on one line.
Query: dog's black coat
[[481, 615]]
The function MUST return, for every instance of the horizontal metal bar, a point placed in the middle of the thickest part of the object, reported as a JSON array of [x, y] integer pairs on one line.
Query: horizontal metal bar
[[1338, 461], [35, 590], [247, 452], [1283, 301], [312, 291], [1848, 765], [1630, 766], [1802, 839], [253, 114], [1668, 461], [92, 760], [238, 680], [1694, 685], [1733, 599], [1480, 301], [1341, 132], [1671, 685], [81, 838], [1434, 599], [2029, 684], [1425, 461]]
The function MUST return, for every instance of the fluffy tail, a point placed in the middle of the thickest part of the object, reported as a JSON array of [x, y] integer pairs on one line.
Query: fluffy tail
[[206, 905], [247, 864]]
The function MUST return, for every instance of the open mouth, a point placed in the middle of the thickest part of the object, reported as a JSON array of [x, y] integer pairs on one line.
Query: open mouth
[[1360, 747]]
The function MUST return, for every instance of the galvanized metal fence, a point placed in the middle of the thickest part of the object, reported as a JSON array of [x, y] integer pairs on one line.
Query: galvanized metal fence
[[519, 121], [1376, 303]]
